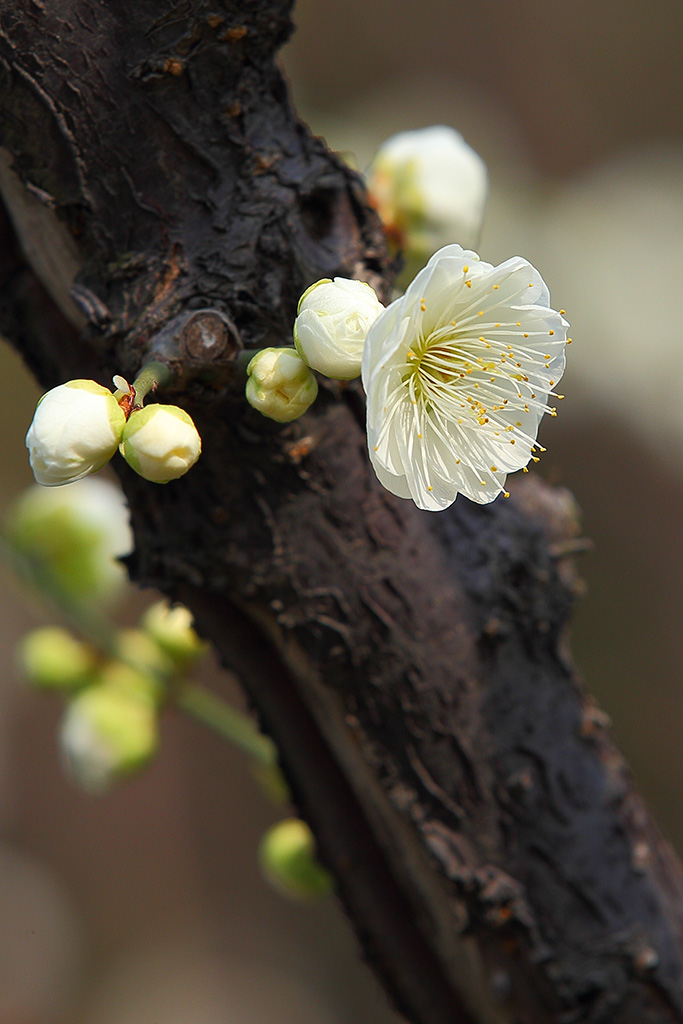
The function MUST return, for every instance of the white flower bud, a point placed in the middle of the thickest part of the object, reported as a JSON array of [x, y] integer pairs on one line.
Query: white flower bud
[[332, 322], [281, 385], [107, 733], [429, 188], [160, 442], [76, 429]]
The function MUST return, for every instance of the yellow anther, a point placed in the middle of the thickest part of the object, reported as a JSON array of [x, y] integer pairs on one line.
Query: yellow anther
[[531, 284], [525, 469], [551, 332], [430, 488], [423, 306], [506, 494], [512, 440], [480, 313], [465, 269], [569, 341], [562, 312], [526, 335], [468, 283], [496, 287], [494, 469]]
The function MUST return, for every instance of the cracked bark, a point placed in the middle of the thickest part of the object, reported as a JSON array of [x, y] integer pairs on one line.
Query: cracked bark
[[490, 849]]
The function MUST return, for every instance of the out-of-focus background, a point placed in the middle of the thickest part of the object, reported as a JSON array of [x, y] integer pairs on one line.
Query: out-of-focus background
[[147, 904]]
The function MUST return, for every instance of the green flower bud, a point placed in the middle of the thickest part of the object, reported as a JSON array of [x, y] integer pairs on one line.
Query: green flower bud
[[160, 442], [52, 659], [70, 537], [171, 629], [280, 385], [76, 429], [287, 859], [136, 682], [137, 648], [105, 735]]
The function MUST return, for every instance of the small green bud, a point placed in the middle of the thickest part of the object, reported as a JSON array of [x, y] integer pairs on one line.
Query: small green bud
[[105, 735], [171, 629], [287, 859], [281, 385], [160, 442], [52, 659], [137, 648], [138, 682]]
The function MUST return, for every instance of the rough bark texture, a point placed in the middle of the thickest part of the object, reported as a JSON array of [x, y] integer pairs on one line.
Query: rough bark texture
[[160, 199]]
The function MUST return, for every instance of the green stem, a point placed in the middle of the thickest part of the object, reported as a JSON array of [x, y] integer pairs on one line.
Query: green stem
[[152, 376], [232, 725]]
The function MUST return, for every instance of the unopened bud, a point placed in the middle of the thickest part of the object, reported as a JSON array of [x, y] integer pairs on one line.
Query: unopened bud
[[287, 858], [332, 323], [76, 429], [106, 734], [429, 188], [69, 538], [280, 385], [52, 659], [160, 442], [171, 629]]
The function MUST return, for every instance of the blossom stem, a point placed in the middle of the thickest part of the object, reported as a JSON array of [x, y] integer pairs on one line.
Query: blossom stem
[[152, 376], [232, 725]]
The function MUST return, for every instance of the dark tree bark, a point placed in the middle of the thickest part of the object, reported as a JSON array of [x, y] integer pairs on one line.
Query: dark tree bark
[[160, 200]]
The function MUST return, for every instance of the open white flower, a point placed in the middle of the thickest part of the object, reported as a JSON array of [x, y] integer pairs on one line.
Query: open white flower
[[332, 322], [457, 374], [430, 188], [76, 429], [160, 442]]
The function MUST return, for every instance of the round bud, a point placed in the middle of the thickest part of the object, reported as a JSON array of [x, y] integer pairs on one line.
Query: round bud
[[429, 188], [52, 659], [171, 629], [287, 859], [76, 429], [280, 385], [69, 538], [106, 733], [332, 322], [160, 442]]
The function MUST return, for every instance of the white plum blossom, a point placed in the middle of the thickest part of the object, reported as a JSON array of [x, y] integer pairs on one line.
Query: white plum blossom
[[332, 322], [160, 442], [429, 187], [76, 429], [280, 385], [458, 372]]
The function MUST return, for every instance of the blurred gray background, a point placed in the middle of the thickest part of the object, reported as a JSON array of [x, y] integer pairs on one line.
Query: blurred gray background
[[147, 905]]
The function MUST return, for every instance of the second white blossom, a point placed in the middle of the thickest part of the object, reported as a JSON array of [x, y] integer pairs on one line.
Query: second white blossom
[[458, 373]]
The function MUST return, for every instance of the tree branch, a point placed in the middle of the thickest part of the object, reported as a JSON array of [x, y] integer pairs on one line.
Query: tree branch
[[489, 847]]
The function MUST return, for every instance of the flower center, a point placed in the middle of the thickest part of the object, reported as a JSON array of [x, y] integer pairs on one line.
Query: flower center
[[439, 377]]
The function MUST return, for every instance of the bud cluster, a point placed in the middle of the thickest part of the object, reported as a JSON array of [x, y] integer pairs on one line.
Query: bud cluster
[[78, 426], [110, 727]]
